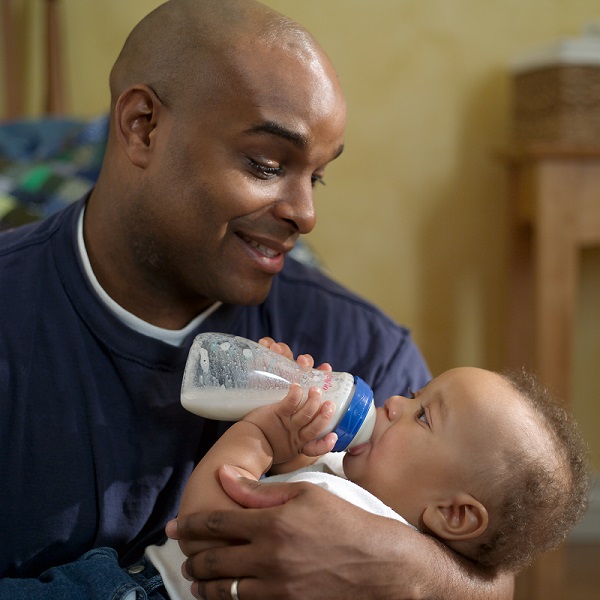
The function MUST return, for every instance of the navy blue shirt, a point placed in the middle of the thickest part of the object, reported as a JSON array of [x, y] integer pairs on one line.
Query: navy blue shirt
[[96, 447]]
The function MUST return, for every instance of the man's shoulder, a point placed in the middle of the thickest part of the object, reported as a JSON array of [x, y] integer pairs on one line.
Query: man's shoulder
[[33, 235], [306, 284], [29, 255], [324, 318]]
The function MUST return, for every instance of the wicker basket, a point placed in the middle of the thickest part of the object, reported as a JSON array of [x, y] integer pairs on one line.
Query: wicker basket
[[557, 105]]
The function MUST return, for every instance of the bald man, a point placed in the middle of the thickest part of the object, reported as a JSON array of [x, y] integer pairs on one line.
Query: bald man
[[224, 116]]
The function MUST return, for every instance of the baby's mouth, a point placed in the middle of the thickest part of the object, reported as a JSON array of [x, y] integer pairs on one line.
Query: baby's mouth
[[358, 449]]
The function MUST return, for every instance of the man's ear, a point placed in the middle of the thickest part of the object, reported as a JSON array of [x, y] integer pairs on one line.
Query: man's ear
[[136, 115], [460, 518]]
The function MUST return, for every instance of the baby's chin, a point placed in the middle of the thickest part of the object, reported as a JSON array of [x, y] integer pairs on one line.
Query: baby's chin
[[354, 460]]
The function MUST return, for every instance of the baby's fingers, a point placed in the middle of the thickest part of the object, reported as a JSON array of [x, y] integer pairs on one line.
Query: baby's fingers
[[278, 347], [318, 447], [306, 411], [292, 401], [318, 421]]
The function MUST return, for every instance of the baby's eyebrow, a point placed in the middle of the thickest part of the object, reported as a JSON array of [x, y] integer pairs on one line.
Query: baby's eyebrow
[[437, 403], [443, 408]]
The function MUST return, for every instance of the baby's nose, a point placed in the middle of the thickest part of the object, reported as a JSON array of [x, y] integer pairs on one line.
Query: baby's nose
[[394, 406]]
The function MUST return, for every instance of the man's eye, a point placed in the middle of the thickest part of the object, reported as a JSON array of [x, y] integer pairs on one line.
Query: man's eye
[[264, 171], [317, 179]]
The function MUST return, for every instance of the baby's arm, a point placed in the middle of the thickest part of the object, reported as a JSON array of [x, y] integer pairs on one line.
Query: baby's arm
[[274, 433]]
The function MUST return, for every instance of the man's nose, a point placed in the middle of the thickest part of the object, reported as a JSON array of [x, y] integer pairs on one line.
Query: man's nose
[[298, 205]]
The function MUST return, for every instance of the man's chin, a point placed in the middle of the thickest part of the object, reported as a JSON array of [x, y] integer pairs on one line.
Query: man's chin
[[250, 294]]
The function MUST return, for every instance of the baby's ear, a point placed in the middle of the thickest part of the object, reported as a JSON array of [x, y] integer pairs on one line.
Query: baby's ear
[[460, 518]]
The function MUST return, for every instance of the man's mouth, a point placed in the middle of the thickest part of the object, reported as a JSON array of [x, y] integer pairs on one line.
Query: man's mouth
[[265, 250]]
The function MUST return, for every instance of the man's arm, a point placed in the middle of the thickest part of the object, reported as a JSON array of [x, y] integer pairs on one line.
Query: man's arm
[[306, 540]]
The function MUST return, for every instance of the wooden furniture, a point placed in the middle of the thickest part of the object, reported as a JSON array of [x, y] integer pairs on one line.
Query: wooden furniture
[[14, 64], [554, 213]]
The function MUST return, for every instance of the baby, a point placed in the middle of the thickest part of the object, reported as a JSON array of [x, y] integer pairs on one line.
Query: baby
[[487, 463]]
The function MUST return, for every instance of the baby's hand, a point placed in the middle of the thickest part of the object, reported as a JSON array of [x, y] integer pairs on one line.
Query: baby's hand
[[292, 424], [305, 360]]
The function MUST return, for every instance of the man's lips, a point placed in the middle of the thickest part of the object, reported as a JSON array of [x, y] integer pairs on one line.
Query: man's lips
[[265, 250], [268, 255]]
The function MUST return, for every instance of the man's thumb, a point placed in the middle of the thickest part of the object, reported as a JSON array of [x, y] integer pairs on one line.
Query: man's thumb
[[254, 494]]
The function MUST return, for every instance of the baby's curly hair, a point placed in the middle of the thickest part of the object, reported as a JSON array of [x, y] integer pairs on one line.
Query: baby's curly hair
[[539, 502]]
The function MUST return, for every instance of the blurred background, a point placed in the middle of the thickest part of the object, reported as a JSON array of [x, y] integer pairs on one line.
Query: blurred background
[[414, 214]]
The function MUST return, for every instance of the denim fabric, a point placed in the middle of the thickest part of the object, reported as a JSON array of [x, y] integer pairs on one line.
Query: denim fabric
[[95, 576], [149, 579]]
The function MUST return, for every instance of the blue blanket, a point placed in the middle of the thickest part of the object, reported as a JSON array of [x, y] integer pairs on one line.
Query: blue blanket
[[46, 164]]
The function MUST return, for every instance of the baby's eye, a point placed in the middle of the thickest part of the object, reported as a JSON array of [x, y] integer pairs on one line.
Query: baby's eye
[[422, 416]]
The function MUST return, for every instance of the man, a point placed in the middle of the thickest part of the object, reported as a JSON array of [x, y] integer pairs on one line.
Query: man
[[224, 116]]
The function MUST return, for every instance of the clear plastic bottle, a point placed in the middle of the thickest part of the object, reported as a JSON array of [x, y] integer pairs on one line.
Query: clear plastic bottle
[[227, 376]]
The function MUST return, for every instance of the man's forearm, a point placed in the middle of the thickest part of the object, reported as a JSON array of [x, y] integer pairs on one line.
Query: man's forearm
[[444, 575]]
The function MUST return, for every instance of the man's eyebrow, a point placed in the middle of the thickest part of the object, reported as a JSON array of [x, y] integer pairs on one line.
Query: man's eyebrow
[[272, 128], [299, 140]]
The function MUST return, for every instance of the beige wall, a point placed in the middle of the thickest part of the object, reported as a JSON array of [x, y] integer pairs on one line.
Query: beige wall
[[413, 214]]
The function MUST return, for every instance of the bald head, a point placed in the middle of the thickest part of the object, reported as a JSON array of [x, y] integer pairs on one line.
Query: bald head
[[184, 45], [224, 115]]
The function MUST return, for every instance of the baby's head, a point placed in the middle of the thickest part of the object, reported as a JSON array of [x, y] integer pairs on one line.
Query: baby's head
[[488, 463]]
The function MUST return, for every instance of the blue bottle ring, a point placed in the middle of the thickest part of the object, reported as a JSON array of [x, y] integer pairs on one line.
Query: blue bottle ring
[[354, 416]]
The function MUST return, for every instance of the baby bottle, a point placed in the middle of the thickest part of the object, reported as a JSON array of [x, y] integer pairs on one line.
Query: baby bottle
[[228, 376]]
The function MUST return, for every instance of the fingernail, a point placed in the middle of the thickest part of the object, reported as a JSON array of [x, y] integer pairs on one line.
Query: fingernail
[[171, 529], [231, 471]]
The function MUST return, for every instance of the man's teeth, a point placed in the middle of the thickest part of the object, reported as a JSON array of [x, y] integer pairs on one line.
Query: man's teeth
[[268, 252]]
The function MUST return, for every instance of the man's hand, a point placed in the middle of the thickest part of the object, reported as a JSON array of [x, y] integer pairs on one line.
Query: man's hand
[[296, 550], [298, 540]]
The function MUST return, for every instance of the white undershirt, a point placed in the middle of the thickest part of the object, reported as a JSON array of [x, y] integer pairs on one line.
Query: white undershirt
[[173, 337], [170, 336]]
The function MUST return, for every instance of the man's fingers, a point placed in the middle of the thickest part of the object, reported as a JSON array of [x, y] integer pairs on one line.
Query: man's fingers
[[208, 525], [220, 562], [221, 588], [227, 524]]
